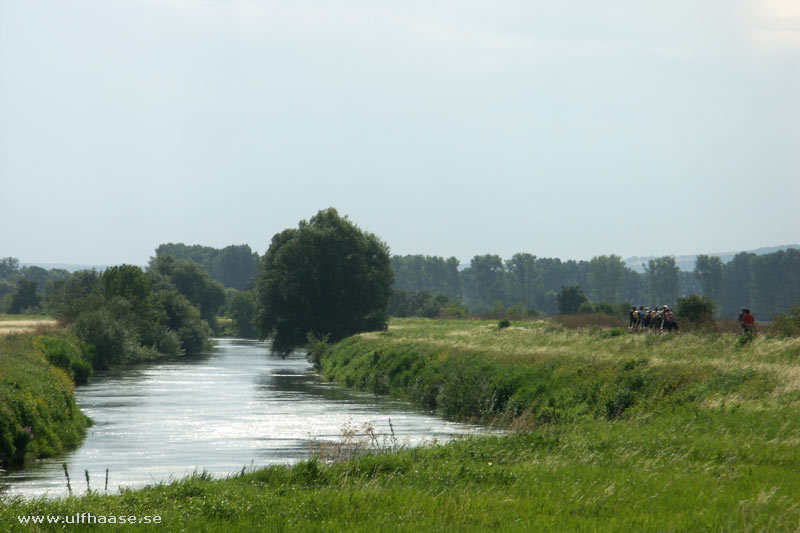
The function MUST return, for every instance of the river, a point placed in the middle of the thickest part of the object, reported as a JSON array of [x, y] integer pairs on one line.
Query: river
[[235, 407]]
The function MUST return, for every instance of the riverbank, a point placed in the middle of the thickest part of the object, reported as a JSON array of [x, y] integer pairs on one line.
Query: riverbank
[[38, 414], [618, 432]]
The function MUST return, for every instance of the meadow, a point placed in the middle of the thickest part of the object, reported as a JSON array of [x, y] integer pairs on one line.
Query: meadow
[[605, 431]]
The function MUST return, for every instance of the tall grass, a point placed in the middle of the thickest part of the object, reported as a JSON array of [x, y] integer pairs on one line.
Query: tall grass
[[614, 432], [473, 370]]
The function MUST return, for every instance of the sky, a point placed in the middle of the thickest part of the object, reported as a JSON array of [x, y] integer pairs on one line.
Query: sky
[[454, 128]]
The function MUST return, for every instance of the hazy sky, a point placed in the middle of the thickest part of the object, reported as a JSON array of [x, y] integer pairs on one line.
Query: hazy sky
[[564, 129]]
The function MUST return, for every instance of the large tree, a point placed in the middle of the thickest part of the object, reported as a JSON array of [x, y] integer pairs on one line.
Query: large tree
[[192, 281], [570, 300], [26, 297], [709, 269], [663, 280], [327, 277], [606, 274]]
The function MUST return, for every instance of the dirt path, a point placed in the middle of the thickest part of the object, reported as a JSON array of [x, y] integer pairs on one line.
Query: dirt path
[[8, 327]]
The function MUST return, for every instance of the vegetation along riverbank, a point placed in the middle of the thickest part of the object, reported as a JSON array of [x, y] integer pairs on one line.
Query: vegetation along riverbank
[[38, 414], [609, 431], [118, 317]]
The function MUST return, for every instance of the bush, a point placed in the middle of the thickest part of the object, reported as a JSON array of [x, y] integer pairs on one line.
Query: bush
[[454, 310], [193, 336], [64, 354], [108, 339], [696, 309], [503, 324], [787, 324], [316, 349], [569, 300], [615, 309], [38, 414]]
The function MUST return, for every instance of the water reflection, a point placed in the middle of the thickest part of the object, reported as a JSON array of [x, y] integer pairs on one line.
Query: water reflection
[[236, 406]]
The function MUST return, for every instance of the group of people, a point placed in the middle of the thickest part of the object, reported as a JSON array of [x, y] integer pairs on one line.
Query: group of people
[[653, 319], [656, 320]]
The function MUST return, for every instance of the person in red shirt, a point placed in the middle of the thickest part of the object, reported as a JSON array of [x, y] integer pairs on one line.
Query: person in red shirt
[[748, 321]]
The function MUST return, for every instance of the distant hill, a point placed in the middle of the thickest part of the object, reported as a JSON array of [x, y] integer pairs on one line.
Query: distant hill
[[67, 266], [686, 262]]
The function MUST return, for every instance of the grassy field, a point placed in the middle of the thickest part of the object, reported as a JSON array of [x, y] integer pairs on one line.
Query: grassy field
[[612, 432], [10, 324]]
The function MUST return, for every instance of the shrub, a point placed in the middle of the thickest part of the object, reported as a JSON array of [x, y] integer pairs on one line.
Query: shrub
[[744, 340], [614, 332], [503, 324], [569, 300], [316, 349], [64, 354], [518, 311], [108, 339], [454, 310], [787, 324], [696, 309], [615, 309], [168, 343], [193, 336]]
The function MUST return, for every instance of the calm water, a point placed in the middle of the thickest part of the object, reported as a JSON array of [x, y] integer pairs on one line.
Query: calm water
[[235, 407]]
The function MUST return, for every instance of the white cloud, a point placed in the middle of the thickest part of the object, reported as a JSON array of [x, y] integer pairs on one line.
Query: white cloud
[[775, 25]]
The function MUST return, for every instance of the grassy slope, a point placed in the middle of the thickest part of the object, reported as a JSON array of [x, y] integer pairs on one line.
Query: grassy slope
[[38, 396], [706, 439]]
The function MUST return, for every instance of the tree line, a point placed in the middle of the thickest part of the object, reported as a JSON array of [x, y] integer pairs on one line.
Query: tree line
[[233, 266], [769, 283], [320, 269]]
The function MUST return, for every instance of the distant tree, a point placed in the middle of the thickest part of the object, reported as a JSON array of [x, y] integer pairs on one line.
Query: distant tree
[[485, 281], [606, 274], [775, 281], [633, 287], [525, 280], [37, 274], [709, 272], [235, 266], [8, 267], [422, 303], [183, 318], [737, 280], [126, 281], [242, 309], [570, 299], [327, 277], [192, 281], [7, 287], [433, 274], [662, 280], [26, 297], [79, 293], [549, 302], [553, 273]]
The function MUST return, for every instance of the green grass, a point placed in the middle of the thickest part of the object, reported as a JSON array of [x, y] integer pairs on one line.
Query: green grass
[[615, 433], [38, 414]]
